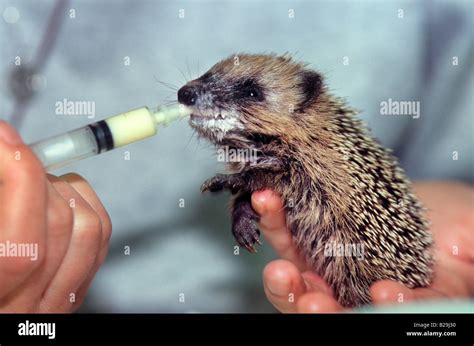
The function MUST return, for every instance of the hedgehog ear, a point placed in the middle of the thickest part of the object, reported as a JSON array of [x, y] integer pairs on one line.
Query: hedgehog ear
[[311, 83]]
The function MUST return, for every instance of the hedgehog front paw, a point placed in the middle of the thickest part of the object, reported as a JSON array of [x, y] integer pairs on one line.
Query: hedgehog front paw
[[214, 184], [244, 224], [232, 182]]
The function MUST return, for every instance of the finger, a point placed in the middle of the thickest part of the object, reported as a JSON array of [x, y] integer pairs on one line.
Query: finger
[[23, 213], [319, 297], [453, 277], [59, 228], [23, 191], [8, 134], [272, 223], [82, 253], [387, 292], [315, 283], [466, 244], [87, 192], [457, 240], [318, 302], [465, 276], [283, 285]]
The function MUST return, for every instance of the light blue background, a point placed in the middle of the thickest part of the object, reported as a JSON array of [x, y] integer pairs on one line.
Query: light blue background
[[190, 250]]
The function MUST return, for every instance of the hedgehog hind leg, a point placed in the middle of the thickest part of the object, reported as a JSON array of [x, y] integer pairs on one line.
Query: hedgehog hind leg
[[244, 222]]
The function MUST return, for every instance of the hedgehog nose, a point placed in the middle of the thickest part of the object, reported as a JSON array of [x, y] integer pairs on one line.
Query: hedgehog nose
[[187, 95]]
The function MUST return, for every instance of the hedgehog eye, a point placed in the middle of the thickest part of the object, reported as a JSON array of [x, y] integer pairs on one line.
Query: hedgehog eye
[[250, 89], [253, 93]]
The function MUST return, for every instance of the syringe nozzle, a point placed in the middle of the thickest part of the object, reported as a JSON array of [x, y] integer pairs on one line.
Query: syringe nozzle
[[165, 115]]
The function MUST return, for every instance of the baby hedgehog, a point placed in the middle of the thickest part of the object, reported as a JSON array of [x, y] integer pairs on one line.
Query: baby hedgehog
[[349, 206]]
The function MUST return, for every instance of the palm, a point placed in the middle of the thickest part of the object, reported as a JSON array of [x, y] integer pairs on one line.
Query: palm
[[450, 211]]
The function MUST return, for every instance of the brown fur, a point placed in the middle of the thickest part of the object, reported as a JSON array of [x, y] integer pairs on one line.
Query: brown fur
[[340, 186]]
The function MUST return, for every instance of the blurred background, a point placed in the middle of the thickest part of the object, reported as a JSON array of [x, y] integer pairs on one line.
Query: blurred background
[[112, 53]]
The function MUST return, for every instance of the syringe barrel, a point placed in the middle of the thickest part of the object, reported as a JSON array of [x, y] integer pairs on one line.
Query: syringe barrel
[[58, 151], [104, 135], [96, 138]]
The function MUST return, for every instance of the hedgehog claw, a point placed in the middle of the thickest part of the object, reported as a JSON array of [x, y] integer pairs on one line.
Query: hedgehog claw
[[250, 248], [214, 184], [246, 234], [245, 231], [219, 182]]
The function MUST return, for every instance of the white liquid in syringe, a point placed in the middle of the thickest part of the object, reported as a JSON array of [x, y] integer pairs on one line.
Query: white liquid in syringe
[[104, 135]]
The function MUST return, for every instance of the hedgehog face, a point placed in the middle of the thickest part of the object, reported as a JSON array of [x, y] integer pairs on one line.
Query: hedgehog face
[[244, 94]]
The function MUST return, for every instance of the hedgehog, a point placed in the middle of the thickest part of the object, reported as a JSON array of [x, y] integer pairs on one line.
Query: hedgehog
[[349, 206]]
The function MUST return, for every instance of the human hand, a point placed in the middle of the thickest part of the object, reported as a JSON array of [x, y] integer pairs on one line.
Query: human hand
[[291, 286], [60, 223]]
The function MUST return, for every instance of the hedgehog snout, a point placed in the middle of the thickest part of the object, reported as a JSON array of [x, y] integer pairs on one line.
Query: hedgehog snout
[[188, 95]]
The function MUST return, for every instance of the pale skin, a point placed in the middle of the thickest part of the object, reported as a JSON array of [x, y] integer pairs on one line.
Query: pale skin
[[63, 216], [292, 287]]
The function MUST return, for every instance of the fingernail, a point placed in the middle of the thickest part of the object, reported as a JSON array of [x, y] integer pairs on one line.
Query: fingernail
[[8, 134]]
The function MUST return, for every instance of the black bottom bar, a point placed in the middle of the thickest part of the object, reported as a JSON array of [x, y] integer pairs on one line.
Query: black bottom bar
[[349, 329]]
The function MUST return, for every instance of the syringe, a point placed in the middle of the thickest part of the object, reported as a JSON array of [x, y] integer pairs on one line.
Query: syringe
[[104, 135]]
